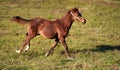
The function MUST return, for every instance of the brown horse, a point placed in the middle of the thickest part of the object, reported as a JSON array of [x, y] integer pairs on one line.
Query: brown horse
[[57, 29]]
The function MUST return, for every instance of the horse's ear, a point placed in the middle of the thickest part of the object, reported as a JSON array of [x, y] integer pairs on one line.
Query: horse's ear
[[76, 7]]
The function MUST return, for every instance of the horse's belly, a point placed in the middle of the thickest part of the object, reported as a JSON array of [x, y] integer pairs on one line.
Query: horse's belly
[[50, 34]]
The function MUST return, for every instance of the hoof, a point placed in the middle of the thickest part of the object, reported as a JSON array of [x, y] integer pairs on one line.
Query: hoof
[[47, 54], [18, 51], [27, 48], [70, 58]]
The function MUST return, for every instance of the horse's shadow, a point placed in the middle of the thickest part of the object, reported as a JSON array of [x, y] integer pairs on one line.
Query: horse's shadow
[[104, 48], [101, 48]]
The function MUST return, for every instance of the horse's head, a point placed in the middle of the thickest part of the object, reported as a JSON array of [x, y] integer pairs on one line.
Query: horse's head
[[77, 15]]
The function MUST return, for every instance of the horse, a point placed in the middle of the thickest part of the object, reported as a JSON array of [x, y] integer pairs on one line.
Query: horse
[[57, 29]]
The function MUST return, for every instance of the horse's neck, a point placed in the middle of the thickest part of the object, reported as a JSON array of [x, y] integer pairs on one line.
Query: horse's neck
[[67, 21]]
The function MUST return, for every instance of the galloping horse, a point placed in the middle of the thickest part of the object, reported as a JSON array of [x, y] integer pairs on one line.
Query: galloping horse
[[57, 29]]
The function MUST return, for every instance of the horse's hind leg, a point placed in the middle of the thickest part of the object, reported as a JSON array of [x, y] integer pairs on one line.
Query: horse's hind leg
[[53, 46], [27, 41], [27, 47], [28, 44]]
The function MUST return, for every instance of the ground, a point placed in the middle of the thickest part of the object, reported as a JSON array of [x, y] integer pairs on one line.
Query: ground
[[95, 45]]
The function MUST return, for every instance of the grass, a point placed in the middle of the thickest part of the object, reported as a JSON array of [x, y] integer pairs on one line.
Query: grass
[[95, 45]]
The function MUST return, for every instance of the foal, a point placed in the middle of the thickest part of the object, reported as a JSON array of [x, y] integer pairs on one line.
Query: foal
[[57, 29]]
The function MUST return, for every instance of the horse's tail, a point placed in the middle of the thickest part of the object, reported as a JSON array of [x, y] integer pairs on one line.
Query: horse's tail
[[20, 20]]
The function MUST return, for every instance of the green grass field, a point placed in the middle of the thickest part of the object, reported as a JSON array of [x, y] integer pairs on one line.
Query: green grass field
[[95, 45]]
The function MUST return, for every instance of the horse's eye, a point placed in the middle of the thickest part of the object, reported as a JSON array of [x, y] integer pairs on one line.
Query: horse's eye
[[75, 10]]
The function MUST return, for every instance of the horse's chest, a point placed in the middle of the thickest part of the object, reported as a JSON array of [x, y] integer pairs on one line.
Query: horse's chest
[[62, 31]]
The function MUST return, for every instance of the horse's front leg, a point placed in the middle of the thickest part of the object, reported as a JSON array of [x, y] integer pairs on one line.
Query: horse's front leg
[[63, 42], [53, 46]]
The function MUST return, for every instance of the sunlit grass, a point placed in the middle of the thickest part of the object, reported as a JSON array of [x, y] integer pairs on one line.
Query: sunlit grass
[[95, 45]]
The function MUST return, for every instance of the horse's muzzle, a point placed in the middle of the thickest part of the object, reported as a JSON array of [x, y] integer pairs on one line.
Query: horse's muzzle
[[83, 20]]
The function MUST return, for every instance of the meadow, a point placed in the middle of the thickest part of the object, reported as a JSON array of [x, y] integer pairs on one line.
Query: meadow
[[95, 45]]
